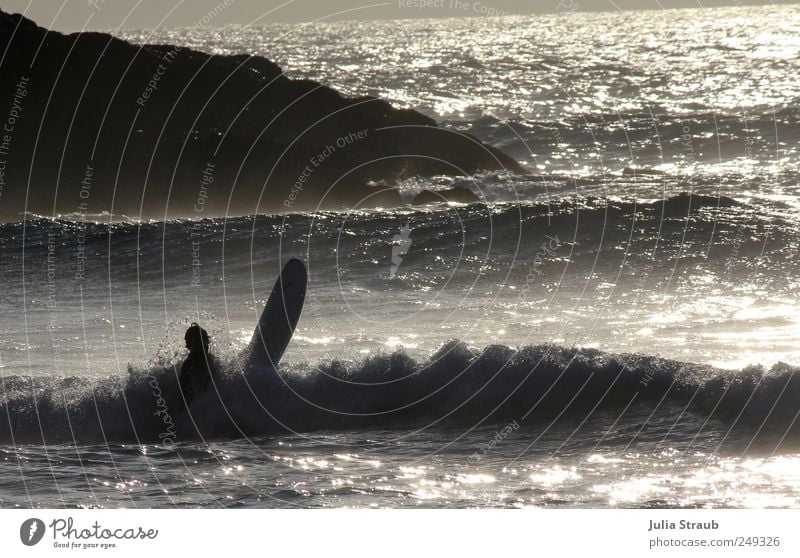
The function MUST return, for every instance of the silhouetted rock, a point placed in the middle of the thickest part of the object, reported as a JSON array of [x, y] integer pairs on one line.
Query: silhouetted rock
[[457, 194], [103, 125]]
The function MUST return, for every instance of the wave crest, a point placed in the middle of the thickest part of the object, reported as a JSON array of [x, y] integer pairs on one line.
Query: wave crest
[[457, 385]]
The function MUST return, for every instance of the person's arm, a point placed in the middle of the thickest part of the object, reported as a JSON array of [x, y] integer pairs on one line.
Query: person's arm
[[185, 379]]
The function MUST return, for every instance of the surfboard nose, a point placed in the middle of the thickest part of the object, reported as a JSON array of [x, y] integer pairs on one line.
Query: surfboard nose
[[280, 316]]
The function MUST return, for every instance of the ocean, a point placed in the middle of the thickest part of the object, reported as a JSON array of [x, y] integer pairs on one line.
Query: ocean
[[618, 328]]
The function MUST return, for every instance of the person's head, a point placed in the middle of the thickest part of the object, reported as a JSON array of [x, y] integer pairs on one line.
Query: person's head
[[196, 338]]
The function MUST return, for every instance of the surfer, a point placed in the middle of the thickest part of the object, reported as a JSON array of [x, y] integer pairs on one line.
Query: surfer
[[200, 366]]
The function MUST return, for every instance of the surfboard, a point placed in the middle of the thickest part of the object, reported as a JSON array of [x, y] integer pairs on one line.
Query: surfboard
[[279, 318]]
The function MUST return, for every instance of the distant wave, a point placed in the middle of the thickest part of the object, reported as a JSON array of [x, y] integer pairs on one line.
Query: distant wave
[[689, 225], [567, 215], [457, 385], [102, 223]]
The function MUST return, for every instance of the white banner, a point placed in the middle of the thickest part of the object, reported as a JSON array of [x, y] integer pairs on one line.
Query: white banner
[[387, 533]]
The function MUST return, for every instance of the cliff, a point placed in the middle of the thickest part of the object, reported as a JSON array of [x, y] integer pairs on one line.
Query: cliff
[[93, 123]]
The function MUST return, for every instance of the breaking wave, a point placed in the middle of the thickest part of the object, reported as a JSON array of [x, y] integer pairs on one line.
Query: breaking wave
[[457, 385]]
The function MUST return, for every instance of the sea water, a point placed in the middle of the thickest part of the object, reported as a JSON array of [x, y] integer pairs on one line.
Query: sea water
[[620, 327]]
